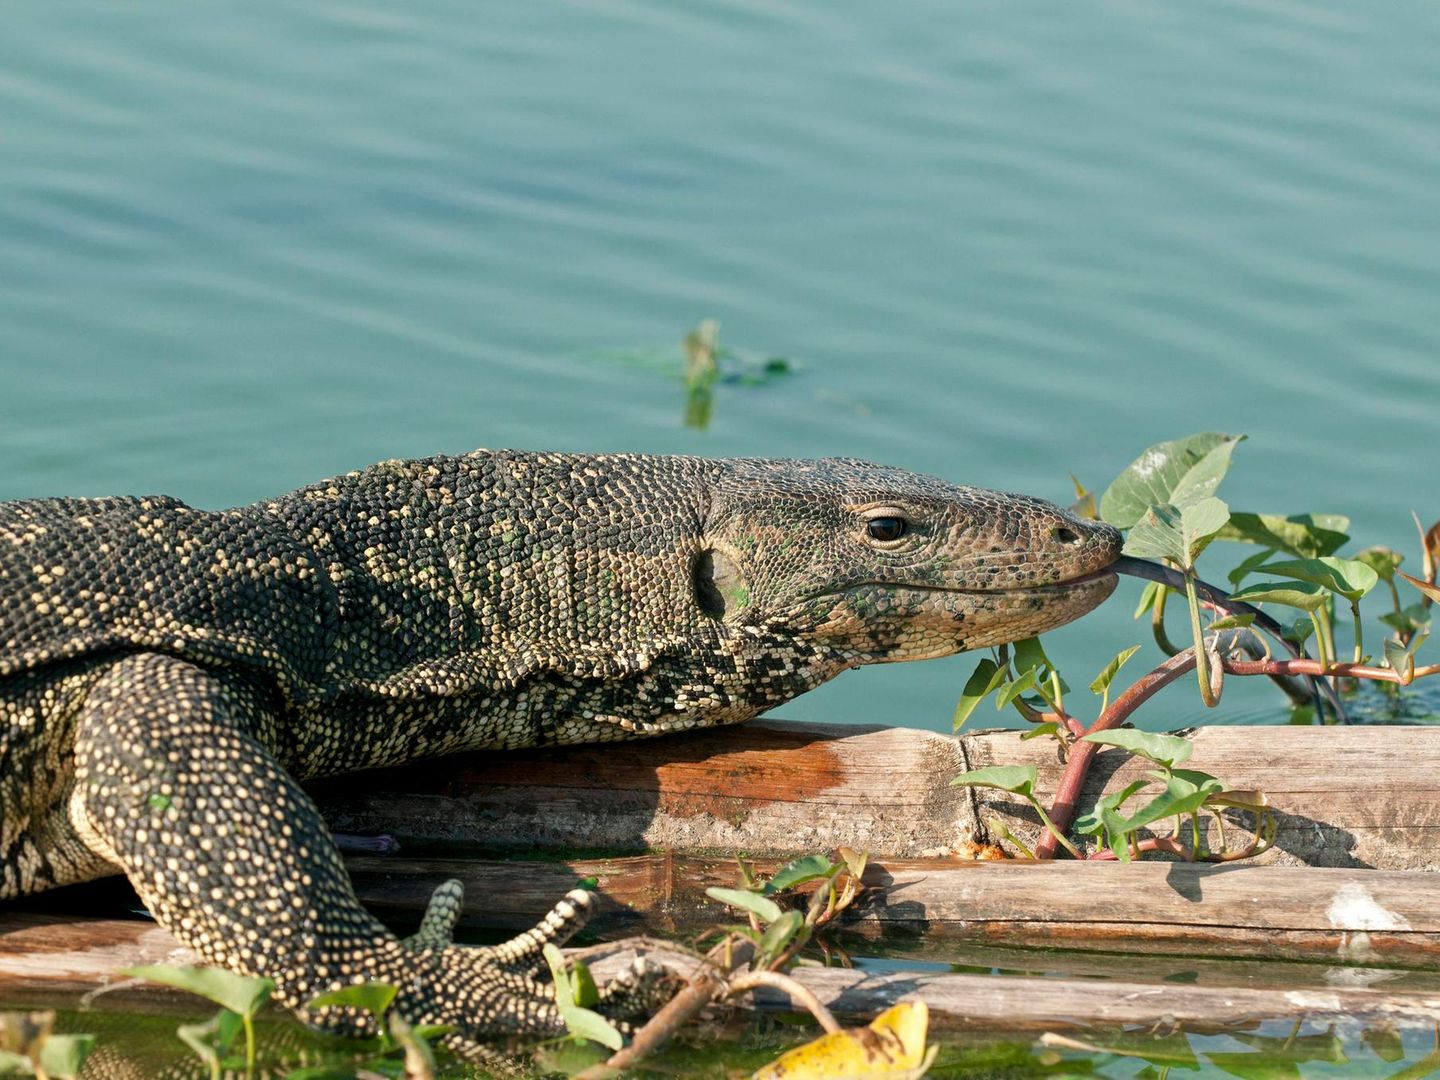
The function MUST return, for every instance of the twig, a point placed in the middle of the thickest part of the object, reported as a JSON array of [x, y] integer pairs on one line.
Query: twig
[[704, 986], [797, 991]]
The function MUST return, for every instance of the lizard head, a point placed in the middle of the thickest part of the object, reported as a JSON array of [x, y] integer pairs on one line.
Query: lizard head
[[877, 564]]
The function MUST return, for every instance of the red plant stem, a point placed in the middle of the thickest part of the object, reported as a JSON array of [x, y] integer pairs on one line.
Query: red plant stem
[[1313, 667], [1171, 846], [1077, 764], [1166, 844]]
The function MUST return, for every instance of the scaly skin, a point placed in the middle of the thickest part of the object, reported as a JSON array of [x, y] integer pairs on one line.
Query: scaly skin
[[168, 676]]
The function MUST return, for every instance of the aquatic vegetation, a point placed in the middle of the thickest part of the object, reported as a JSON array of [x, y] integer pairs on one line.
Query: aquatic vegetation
[[1166, 501]]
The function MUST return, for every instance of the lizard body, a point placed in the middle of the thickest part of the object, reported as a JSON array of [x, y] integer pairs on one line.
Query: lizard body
[[169, 675]]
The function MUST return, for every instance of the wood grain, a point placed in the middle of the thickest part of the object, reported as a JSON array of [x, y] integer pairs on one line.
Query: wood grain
[[1346, 797], [49, 960]]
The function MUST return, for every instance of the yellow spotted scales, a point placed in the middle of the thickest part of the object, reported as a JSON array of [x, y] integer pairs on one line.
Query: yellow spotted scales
[[169, 676]]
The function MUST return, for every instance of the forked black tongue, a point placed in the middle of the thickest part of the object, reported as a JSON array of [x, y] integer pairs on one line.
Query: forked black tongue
[[1165, 575]]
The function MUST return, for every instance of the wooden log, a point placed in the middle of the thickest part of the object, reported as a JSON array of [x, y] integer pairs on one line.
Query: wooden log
[[1345, 796], [1269, 912], [1029, 1004], [49, 960]]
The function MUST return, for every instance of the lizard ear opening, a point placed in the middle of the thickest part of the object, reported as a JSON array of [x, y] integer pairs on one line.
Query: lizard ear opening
[[717, 583]]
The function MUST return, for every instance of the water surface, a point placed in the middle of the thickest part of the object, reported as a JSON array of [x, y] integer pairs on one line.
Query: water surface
[[246, 247]]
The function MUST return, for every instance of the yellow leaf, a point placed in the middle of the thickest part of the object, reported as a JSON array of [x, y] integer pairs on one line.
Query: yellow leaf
[[892, 1047]]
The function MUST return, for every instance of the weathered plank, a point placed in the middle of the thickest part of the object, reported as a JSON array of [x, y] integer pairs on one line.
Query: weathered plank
[[52, 959], [1027, 1003], [1268, 912], [1354, 796]]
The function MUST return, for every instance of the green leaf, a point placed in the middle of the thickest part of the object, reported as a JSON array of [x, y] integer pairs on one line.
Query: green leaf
[[764, 908], [1016, 779], [582, 985], [798, 871], [1015, 687], [1409, 619], [1298, 631], [1105, 817], [11, 1063], [1306, 536], [1182, 795], [1232, 622], [1249, 566], [210, 1040], [63, 1056], [374, 998], [580, 1022], [1049, 727], [1179, 472], [1383, 560], [1107, 676], [981, 684], [1029, 653], [1304, 595], [1401, 658], [1148, 596], [1177, 532], [587, 1024], [1350, 578], [1167, 750], [780, 933], [243, 994]]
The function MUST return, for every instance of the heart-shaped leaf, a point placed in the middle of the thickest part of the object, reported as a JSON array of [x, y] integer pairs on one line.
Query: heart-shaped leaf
[[1306, 536], [1304, 595], [982, 683], [1383, 560], [1016, 779], [1167, 750], [1179, 472], [1185, 792], [1351, 578], [1177, 532], [765, 909], [798, 871]]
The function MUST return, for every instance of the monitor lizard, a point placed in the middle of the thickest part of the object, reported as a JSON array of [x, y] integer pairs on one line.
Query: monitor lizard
[[170, 676]]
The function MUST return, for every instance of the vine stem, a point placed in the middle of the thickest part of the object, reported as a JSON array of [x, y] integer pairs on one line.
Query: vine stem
[[1202, 662], [1314, 667], [1077, 763]]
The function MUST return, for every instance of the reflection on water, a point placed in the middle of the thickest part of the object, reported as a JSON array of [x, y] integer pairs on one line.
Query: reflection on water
[[145, 1045]]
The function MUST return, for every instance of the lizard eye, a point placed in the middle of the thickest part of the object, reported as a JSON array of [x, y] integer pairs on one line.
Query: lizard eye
[[886, 529]]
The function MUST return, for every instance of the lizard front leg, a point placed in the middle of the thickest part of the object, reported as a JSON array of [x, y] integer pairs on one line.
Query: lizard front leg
[[231, 856]]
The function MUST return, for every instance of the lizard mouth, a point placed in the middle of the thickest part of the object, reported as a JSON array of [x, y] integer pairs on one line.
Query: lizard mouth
[[1106, 574]]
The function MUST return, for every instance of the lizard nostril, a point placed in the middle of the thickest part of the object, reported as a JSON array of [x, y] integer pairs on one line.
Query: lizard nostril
[[1065, 534]]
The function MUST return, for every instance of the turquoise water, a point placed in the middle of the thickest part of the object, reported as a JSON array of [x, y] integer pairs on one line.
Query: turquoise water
[[245, 247]]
